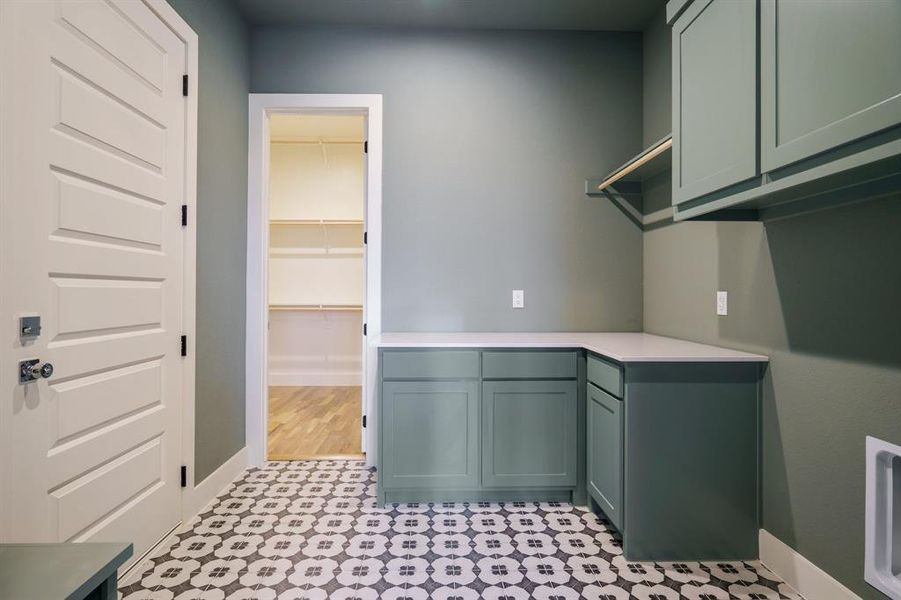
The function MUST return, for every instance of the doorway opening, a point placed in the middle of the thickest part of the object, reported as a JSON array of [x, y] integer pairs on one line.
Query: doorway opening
[[316, 285], [314, 209]]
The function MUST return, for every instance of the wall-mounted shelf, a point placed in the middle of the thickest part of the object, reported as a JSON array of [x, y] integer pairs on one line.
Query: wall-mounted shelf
[[315, 222], [317, 307], [316, 252], [627, 179], [316, 238], [625, 185], [315, 141]]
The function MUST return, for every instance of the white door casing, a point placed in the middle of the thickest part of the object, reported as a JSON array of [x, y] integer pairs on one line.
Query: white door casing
[[261, 106], [93, 158]]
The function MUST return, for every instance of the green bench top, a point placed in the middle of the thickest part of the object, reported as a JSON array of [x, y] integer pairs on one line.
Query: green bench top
[[57, 571]]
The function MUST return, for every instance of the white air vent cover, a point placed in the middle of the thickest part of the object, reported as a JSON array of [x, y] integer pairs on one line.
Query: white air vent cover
[[882, 561]]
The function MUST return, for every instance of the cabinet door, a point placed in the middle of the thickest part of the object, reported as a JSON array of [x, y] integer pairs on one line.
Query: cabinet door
[[605, 453], [830, 74], [714, 97], [529, 434], [430, 435]]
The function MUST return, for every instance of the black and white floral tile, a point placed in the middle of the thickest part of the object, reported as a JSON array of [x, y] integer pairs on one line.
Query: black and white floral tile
[[312, 530]]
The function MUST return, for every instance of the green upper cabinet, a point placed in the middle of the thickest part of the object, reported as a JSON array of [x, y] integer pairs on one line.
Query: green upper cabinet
[[830, 74], [714, 97], [430, 435], [781, 107], [529, 434]]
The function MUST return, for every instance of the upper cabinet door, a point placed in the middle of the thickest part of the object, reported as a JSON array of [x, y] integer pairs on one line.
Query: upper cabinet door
[[830, 74], [714, 97]]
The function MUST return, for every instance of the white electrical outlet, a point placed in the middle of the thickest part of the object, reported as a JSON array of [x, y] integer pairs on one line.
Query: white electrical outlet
[[722, 303], [519, 299]]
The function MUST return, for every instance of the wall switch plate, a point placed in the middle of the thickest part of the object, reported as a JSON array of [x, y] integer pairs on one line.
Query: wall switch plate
[[519, 299], [722, 303]]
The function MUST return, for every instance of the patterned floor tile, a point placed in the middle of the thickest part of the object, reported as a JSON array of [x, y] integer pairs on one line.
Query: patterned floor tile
[[139, 592], [312, 530], [190, 592]]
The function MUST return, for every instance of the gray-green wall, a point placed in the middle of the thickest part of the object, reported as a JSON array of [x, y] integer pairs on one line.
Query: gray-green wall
[[820, 295], [221, 229], [656, 80], [488, 137]]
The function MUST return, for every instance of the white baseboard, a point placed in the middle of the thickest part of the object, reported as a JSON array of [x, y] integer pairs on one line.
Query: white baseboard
[[797, 571], [194, 501], [315, 369], [288, 378], [137, 568]]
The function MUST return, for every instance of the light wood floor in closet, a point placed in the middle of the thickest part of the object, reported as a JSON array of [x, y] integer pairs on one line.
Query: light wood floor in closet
[[314, 422]]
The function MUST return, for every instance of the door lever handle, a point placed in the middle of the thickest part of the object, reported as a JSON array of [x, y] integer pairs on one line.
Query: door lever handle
[[32, 370]]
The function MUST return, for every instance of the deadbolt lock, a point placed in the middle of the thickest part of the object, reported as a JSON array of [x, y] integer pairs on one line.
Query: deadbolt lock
[[29, 327], [32, 370]]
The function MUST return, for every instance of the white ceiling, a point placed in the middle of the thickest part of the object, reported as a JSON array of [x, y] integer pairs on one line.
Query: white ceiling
[[573, 15], [345, 128]]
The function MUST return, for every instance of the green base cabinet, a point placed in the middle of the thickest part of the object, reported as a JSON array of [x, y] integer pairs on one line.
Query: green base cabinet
[[605, 453], [673, 464], [471, 425], [691, 461], [529, 431], [668, 452], [430, 433]]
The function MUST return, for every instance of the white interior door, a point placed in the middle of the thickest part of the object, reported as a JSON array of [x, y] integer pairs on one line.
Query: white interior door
[[92, 157]]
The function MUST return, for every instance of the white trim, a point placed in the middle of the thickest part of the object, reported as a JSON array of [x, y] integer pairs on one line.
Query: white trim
[[189, 306], [260, 107], [196, 502], [206, 491], [140, 565], [797, 571], [308, 379]]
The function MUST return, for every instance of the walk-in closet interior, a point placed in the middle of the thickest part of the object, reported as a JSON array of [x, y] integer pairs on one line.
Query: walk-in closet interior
[[316, 279]]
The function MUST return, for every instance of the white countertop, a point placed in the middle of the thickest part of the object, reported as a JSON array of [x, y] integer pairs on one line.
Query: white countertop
[[622, 347]]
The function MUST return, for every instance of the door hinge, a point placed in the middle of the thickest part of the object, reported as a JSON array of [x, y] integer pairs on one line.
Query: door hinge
[[365, 237], [184, 345], [364, 420], [364, 328], [366, 147], [184, 85], [184, 476], [184, 215]]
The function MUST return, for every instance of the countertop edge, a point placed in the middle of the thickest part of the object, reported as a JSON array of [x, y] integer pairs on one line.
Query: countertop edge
[[730, 356]]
